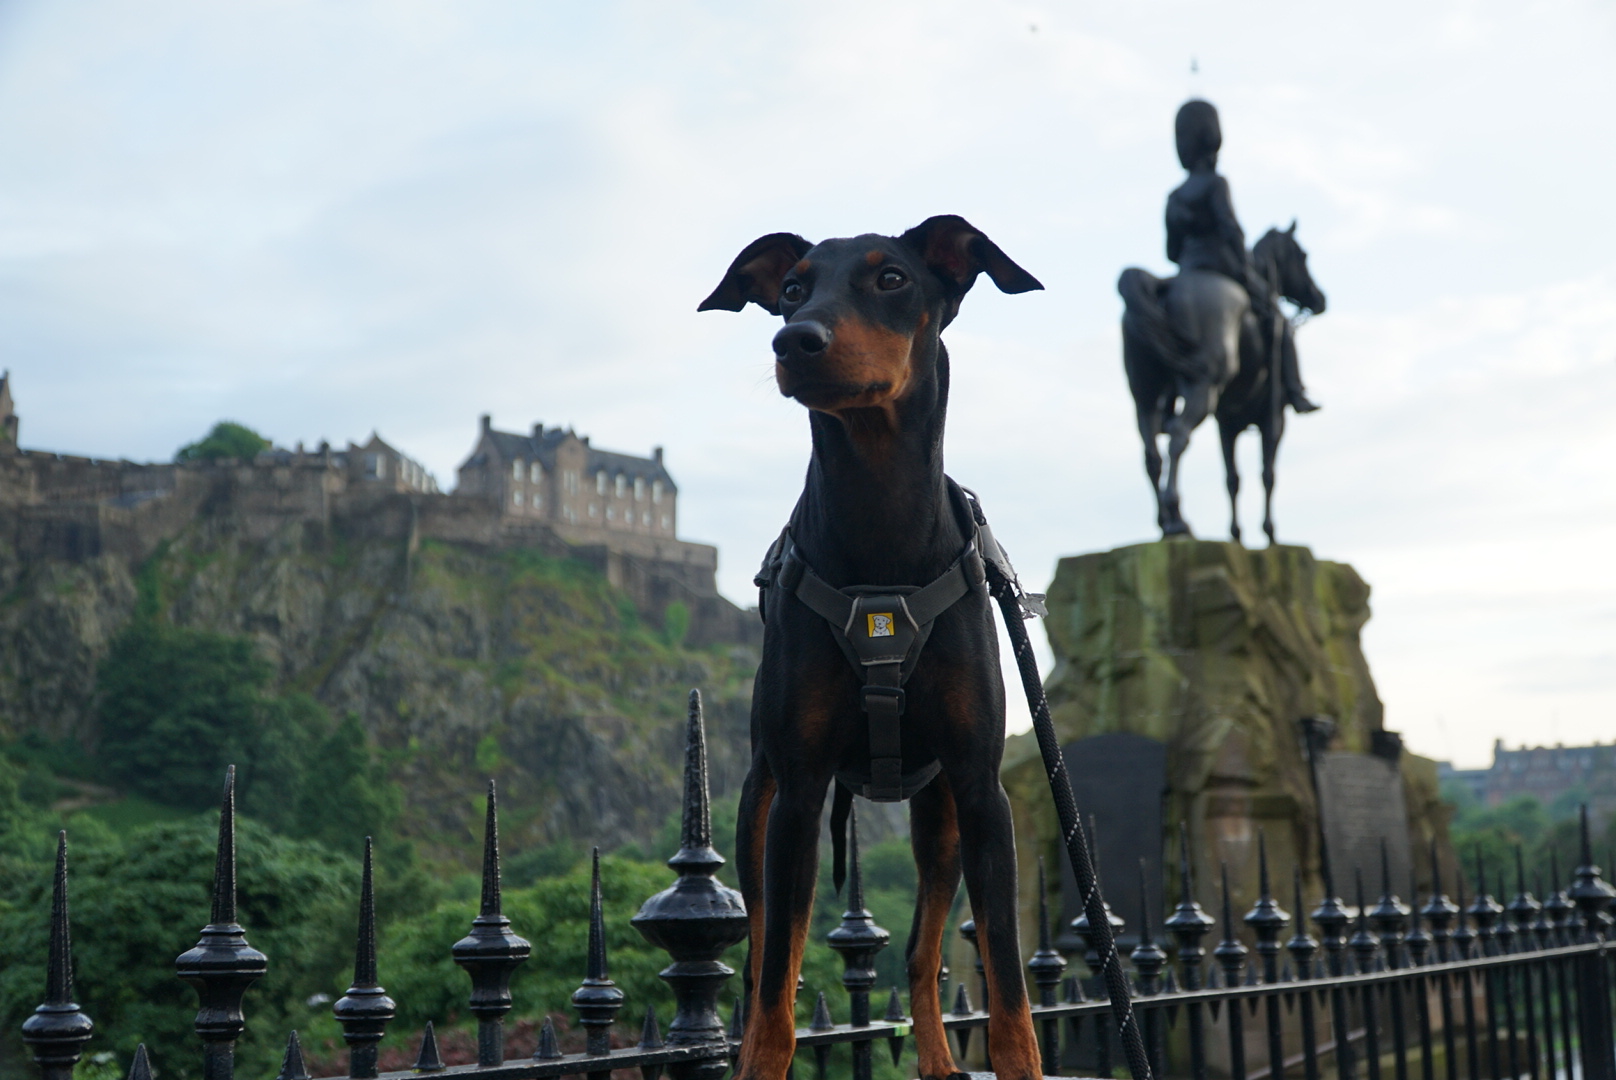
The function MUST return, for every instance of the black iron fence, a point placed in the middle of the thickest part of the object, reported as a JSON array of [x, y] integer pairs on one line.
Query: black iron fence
[[1449, 989]]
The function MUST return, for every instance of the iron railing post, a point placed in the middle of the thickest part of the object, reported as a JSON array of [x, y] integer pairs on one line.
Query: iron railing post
[[1303, 949], [492, 951], [57, 1030], [1592, 896], [222, 965], [1267, 921], [1047, 966], [696, 918], [1231, 957], [1189, 924], [857, 939], [364, 1011], [598, 998], [1148, 960]]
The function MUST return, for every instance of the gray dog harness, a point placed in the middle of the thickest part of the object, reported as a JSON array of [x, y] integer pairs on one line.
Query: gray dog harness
[[881, 630]]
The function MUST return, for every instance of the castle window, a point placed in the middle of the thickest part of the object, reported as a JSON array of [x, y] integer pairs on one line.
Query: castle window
[[516, 498], [622, 485], [611, 513], [516, 469], [569, 481], [600, 482], [594, 511], [639, 489], [535, 472], [656, 491], [537, 501], [664, 522]]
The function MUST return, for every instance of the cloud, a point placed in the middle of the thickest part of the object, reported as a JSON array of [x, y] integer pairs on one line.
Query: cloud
[[327, 219]]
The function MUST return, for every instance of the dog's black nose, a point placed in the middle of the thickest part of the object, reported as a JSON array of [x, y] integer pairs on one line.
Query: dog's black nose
[[805, 339]]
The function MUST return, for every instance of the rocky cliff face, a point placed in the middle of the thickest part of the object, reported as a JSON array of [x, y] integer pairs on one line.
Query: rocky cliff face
[[463, 663]]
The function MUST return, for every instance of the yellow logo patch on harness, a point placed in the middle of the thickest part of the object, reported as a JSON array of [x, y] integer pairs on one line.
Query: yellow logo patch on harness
[[881, 624]]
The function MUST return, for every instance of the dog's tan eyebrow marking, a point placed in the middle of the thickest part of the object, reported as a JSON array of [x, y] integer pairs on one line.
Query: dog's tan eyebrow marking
[[876, 257], [801, 267]]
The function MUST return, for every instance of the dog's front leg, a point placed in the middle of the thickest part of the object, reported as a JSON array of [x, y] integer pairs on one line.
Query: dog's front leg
[[752, 826], [790, 866], [988, 844], [934, 836]]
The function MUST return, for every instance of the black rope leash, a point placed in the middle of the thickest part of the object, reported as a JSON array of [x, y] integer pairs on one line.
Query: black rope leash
[[1007, 590]]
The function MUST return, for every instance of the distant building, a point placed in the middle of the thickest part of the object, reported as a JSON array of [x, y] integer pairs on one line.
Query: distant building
[[549, 491], [1545, 773], [376, 464], [555, 476]]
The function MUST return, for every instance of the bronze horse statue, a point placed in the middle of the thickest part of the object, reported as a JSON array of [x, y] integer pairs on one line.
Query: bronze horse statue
[[1192, 345]]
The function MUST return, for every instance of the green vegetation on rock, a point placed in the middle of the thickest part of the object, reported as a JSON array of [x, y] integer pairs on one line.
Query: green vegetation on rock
[[228, 439]]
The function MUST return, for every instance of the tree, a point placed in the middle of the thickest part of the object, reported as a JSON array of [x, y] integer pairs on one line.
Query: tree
[[177, 705], [228, 439]]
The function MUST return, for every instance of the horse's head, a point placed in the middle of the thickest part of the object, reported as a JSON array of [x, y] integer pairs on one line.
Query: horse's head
[[1279, 252]]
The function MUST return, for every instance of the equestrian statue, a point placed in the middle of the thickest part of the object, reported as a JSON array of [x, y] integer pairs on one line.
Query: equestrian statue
[[1214, 339]]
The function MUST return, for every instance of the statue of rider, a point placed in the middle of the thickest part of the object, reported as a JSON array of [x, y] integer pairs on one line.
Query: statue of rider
[[1204, 234]]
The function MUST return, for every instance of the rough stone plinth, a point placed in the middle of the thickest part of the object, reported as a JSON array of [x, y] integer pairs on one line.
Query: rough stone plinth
[[1216, 651]]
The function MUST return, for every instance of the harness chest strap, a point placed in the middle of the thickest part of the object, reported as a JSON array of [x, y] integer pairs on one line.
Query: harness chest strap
[[883, 631]]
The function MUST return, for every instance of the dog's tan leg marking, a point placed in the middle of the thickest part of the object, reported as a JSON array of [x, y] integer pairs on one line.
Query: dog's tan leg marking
[[1012, 1043]]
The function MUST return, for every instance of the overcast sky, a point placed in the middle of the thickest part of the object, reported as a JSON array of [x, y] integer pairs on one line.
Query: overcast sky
[[326, 219]]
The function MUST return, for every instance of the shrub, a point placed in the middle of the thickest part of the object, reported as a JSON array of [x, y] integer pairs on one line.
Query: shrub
[[228, 439]]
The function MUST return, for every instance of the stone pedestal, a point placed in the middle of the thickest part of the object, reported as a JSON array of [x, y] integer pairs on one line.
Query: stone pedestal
[[1216, 652]]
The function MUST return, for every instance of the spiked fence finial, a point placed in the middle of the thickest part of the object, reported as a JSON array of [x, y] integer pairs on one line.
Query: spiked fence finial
[[292, 1067], [1364, 944], [1266, 918], [222, 965], [1230, 953], [224, 867], [491, 951], [365, 1009], [140, 1067], [1188, 923], [598, 998], [429, 1060], [58, 1029], [1588, 891], [547, 1049], [1301, 945], [857, 938], [696, 822], [697, 917], [1148, 957], [1046, 964]]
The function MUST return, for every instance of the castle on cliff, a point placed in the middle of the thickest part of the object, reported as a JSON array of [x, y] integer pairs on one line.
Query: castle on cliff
[[549, 489]]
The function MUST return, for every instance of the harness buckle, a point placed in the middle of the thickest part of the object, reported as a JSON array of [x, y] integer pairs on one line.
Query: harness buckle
[[894, 694]]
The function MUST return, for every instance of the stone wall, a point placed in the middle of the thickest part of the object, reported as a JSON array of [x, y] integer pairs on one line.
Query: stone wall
[[1216, 652], [57, 507]]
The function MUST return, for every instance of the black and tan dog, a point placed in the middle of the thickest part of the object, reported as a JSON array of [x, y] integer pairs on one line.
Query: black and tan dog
[[880, 658]]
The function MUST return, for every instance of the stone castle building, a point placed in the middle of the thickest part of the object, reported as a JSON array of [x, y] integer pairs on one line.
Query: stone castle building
[[549, 490], [555, 476]]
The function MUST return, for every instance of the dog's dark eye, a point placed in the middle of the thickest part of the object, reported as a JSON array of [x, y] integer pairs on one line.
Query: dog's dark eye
[[890, 279], [792, 292]]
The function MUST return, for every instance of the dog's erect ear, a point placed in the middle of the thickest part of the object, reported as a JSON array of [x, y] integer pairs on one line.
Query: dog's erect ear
[[957, 251], [756, 273]]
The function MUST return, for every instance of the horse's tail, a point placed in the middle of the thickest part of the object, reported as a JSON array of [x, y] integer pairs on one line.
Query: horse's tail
[[1145, 316]]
